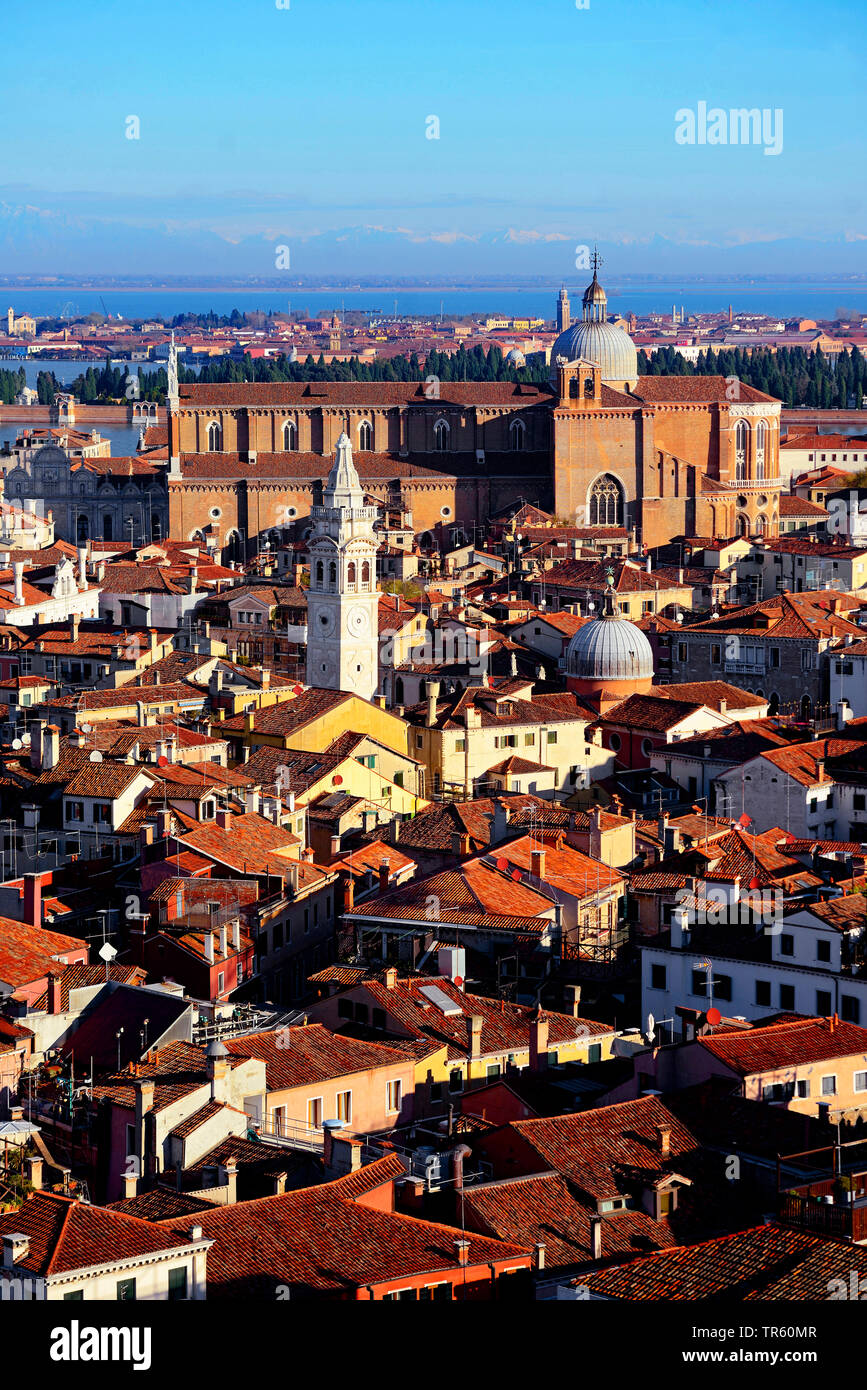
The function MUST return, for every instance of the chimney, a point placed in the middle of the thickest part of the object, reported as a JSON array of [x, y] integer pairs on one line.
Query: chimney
[[384, 871], [348, 892], [723, 706], [130, 1186], [55, 994], [820, 769], [539, 1256], [537, 863], [224, 941], [16, 1246], [82, 566], [236, 935], [390, 978], [663, 1135], [575, 1007], [252, 804], [33, 1170], [335, 846], [18, 574], [431, 715], [538, 1040], [499, 823], [461, 1152], [223, 819], [230, 1180], [50, 747], [33, 901], [164, 823], [74, 625], [37, 731], [208, 943], [474, 1035], [596, 1237], [462, 1251]]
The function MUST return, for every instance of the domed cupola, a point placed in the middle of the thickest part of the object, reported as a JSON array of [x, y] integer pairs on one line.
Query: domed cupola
[[609, 658], [594, 339]]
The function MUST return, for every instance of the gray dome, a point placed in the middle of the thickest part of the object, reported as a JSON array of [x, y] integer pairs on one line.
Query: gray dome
[[216, 1049], [597, 340], [610, 649], [516, 357]]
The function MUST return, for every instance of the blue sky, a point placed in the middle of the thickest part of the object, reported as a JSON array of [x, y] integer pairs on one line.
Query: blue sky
[[307, 126]]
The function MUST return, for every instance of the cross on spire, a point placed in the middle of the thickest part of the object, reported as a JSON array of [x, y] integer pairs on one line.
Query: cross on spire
[[596, 260]]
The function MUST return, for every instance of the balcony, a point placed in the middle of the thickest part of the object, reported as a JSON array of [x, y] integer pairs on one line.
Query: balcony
[[831, 1207]]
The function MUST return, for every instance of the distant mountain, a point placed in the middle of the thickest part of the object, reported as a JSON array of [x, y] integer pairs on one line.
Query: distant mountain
[[36, 240]]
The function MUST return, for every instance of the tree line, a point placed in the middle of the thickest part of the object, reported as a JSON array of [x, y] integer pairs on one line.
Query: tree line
[[793, 375]]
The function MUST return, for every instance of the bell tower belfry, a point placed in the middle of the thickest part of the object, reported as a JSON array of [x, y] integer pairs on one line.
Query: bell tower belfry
[[343, 599]]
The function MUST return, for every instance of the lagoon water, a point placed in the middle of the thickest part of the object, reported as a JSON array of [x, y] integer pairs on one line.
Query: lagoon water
[[780, 299]]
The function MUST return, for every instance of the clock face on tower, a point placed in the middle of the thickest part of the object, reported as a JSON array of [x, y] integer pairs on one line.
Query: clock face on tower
[[358, 621], [325, 622]]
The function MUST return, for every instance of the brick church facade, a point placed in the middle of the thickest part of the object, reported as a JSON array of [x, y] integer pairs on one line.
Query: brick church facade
[[600, 446]]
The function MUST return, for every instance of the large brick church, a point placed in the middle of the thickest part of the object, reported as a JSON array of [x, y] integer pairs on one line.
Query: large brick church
[[600, 446]]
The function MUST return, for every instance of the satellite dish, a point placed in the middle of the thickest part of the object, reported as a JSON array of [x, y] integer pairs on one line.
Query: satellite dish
[[754, 882], [516, 875], [96, 756], [744, 820], [162, 761], [502, 865], [107, 951], [26, 740], [17, 743], [86, 728], [714, 1017]]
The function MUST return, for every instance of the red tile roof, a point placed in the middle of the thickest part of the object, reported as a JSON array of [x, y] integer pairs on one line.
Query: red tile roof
[[66, 1234], [325, 1241], [765, 1263], [794, 1043], [310, 1054]]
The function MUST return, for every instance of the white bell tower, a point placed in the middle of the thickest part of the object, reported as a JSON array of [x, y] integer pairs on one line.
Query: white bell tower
[[343, 599]]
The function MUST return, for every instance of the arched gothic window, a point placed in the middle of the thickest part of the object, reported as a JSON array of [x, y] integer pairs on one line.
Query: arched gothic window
[[320, 572], [289, 435], [517, 434], [350, 572], [365, 572], [743, 525], [761, 434], [742, 434], [606, 502], [441, 435], [215, 438], [332, 573], [761, 524], [365, 435]]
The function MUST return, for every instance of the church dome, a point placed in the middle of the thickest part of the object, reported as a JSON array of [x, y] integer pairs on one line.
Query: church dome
[[609, 649], [516, 357], [597, 340], [594, 339]]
